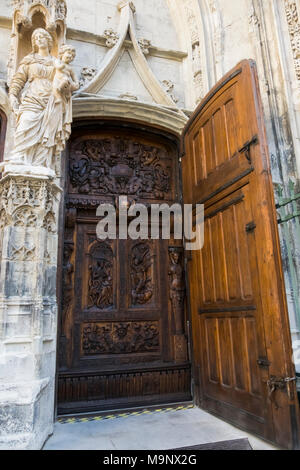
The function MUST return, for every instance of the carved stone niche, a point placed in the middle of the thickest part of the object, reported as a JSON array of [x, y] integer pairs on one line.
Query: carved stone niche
[[29, 15]]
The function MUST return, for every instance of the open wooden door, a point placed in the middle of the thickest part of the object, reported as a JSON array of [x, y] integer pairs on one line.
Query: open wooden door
[[243, 369]]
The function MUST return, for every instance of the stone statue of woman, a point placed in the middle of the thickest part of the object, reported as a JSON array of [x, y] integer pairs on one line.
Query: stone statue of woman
[[43, 122]]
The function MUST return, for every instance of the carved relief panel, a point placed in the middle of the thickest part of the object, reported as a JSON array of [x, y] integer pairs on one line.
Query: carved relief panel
[[120, 338], [100, 285], [142, 274], [121, 166]]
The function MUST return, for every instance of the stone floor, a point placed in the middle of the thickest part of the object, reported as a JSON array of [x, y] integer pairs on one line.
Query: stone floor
[[158, 431]]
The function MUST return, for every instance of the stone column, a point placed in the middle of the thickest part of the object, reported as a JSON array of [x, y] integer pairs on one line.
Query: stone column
[[29, 208]]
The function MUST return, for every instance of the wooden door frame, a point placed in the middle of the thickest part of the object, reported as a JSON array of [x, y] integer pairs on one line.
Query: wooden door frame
[[81, 127]]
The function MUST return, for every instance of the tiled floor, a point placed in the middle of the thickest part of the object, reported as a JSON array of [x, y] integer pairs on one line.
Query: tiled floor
[[158, 431]]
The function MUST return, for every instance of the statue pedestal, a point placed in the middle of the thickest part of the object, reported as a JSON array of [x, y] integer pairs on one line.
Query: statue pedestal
[[11, 168], [29, 207]]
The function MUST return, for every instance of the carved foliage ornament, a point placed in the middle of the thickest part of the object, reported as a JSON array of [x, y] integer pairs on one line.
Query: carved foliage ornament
[[111, 37], [120, 338], [145, 44], [120, 166]]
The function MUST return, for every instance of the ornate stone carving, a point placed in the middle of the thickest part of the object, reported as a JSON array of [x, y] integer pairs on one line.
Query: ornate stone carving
[[23, 253], [111, 37], [120, 338], [50, 222], [144, 45], [44, 115], [100, 288], [28, 203], [141, 264], [292, 17], [24, 217], [56, 11], [120, 166], [169, 86], [87, 74], [196, 50]]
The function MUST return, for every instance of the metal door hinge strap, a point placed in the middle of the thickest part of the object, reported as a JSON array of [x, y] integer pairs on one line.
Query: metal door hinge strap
[[246, 148]]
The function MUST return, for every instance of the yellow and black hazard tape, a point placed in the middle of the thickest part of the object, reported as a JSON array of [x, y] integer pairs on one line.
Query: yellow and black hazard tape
[[86, 419]]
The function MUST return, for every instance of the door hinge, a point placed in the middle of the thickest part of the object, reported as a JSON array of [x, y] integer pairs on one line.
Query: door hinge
[[263, 362], [250, 227], [246, 148]]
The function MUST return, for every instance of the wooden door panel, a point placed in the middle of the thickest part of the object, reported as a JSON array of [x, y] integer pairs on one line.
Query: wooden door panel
[[216, 144], [237, 370], [226, 245], [119, 346], [231, 317], [241, 335]]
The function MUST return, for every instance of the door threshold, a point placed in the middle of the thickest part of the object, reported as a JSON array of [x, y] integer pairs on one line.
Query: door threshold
[[124, 412]]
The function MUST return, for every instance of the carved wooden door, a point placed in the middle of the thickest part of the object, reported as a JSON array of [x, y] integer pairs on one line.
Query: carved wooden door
[[241, 341], [121, 343]]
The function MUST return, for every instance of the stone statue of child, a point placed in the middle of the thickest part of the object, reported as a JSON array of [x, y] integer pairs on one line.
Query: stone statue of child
[[59, 109], [65, 81]]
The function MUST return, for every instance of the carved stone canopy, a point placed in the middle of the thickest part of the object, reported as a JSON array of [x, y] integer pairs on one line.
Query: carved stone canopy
[[54, 11]]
